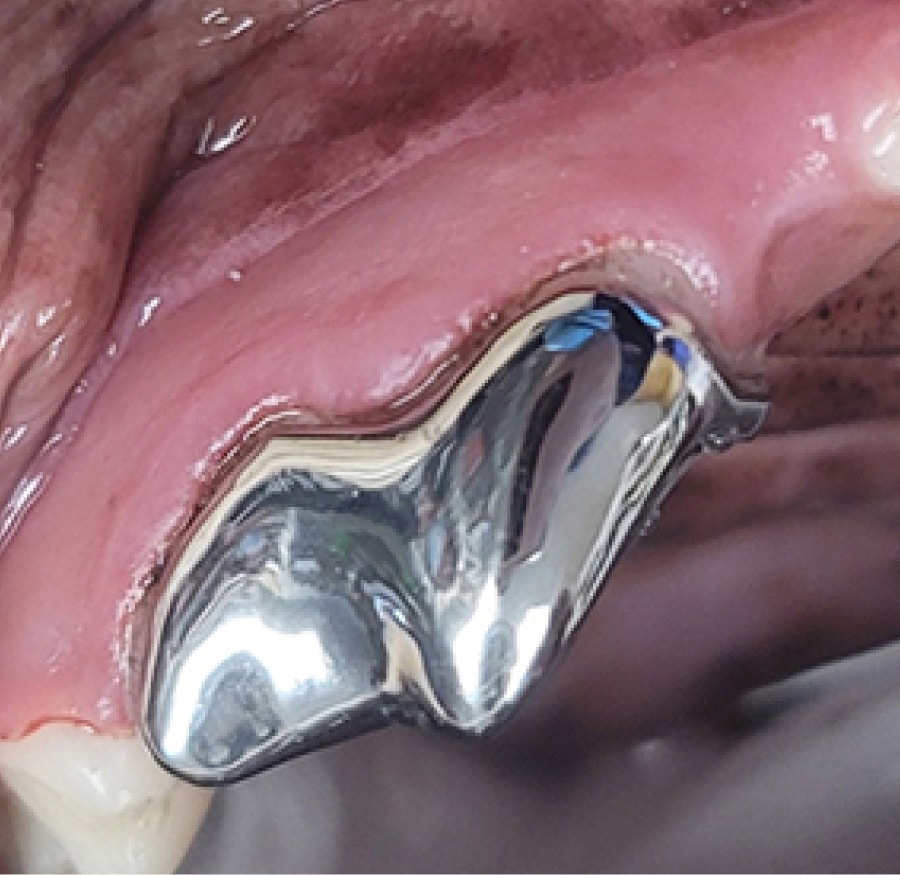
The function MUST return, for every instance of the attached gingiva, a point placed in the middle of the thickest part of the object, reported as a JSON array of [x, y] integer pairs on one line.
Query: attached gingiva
[[317, 217]]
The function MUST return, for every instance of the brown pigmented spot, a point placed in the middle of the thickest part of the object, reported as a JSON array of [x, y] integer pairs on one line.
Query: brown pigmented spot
[[862, 318]]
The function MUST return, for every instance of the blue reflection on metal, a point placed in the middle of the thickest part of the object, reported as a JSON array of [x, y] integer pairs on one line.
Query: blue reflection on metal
[[649, 319], [678, 350], [572, 332], [633, 329]]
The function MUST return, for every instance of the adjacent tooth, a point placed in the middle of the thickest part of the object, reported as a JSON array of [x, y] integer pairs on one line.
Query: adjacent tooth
[[27, 844], [85, 802], [882, 127]]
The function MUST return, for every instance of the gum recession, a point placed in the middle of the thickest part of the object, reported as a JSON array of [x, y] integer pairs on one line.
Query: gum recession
[[531, 181]]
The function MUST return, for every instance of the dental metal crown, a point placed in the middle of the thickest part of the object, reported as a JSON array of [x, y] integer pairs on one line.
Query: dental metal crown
[[429, 576]]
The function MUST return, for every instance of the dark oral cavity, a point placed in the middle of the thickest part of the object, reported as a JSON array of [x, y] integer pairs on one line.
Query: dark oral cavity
[[391, 228]]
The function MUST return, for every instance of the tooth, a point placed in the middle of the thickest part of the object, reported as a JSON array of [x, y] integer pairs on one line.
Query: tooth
[[91, 803], [430, 573], [882, 127], [26, 842]]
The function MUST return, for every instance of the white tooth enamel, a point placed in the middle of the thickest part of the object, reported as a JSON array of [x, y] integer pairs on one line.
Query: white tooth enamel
[[27, 843], [882, 129], [90, 803]]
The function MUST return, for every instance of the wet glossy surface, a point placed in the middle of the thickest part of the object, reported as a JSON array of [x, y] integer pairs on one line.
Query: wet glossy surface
[[232, 342], [430, 576]]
